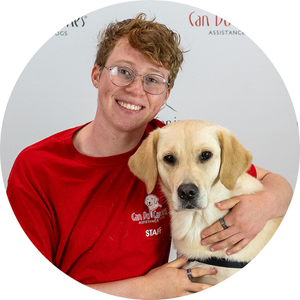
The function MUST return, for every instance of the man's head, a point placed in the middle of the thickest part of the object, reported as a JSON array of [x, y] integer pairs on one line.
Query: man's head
[[155, 40]]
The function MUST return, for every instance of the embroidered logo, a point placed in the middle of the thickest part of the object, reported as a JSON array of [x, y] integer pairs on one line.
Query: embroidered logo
[[153, 216], [152, 202]]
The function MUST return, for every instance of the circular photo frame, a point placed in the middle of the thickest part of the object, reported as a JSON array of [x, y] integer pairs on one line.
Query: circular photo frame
[[225, 79]]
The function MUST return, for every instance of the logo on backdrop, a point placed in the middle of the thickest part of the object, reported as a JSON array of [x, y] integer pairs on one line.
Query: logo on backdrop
[[167, 121], [78, 23], [203, 21]]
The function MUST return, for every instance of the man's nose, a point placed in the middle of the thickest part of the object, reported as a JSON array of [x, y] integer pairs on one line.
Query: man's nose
[[137, 86]]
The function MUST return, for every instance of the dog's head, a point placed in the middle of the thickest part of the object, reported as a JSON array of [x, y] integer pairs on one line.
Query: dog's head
[[190, 157], [151, 200]]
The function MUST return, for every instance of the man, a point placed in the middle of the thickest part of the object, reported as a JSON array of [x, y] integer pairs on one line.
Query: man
[[77, 201]]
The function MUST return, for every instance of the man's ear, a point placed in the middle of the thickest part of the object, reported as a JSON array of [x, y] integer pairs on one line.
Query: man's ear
[[235, 159], [95, 76], [168, 94], [143, 162]]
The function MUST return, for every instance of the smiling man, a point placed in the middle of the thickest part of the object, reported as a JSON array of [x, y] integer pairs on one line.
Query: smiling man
[[125, 107], [80, 205]]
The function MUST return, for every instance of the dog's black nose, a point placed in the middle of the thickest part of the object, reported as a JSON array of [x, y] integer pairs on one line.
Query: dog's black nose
[[188, 191]]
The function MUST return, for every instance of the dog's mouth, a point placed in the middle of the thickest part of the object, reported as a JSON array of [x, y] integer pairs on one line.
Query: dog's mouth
[[189, 206]]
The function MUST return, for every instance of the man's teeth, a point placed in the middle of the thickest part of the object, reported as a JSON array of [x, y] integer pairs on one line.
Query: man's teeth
[[129, 106]]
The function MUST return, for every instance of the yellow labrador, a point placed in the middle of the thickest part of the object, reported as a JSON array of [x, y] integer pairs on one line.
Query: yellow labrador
[[200, 164]]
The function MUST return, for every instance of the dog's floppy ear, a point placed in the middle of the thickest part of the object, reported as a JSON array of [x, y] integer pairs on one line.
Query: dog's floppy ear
[[143, 162], [235, 159]]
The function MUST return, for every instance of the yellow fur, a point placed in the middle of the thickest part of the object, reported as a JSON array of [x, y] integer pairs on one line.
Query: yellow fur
[[218, 178]]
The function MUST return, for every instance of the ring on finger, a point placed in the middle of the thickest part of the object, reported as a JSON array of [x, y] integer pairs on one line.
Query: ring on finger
[[224, 225], [189, 275]]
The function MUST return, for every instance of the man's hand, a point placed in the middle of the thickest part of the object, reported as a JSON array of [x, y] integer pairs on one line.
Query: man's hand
[[170, 281], [244, 221], [167, 281], [249, 214]]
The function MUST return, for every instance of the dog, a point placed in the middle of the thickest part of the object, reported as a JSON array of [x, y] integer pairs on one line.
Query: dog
[[198, 164]]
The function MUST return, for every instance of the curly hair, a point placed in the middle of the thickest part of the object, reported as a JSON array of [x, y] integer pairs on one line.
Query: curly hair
[[153, 39]]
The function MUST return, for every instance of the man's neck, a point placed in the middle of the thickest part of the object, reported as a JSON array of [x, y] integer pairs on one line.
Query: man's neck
[[97, 140]]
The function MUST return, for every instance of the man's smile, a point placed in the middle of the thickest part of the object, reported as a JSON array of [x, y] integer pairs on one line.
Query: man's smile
[[129, 106]]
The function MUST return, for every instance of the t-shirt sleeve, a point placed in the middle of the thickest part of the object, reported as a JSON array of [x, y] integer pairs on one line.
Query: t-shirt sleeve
[[252, 171], [32, 211]]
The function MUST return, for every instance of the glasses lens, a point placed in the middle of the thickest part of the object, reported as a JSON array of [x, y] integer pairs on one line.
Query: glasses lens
[[121, 76], [155, 84]]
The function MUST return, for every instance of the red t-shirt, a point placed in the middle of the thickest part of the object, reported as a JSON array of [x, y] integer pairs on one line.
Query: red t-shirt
[[91, 217]]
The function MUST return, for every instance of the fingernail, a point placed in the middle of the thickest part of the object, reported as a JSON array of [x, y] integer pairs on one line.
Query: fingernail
[[211, 249], [184, 256], [214, 270], [228, 253], [203, 236], [203, 243]]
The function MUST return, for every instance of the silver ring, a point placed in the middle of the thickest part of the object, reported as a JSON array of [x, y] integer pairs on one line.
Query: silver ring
[[223, 223], [189, 275]]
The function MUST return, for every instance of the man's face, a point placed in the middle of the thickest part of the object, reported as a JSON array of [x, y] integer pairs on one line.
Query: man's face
[[128, 108]]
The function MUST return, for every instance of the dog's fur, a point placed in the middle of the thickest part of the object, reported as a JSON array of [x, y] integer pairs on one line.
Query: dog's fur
[[177, 154]]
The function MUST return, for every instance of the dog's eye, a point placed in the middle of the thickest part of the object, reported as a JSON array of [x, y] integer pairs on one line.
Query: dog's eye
[[169, 159], [205, 155]]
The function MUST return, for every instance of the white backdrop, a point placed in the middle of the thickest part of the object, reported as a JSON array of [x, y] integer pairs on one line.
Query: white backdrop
[[226, 79]]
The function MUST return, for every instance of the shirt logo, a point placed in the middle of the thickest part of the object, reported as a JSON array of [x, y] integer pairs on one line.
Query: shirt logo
[[153, 216], [152, 202]]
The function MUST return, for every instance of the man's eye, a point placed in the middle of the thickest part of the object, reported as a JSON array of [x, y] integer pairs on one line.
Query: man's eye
[[152, 80], [205, 155], [124, 72], [169, 159]]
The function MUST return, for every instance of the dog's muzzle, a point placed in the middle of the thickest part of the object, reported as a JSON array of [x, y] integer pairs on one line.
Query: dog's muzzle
[[188, 194]]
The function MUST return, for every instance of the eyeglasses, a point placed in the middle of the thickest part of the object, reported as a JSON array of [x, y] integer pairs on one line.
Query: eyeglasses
[[122, 76]]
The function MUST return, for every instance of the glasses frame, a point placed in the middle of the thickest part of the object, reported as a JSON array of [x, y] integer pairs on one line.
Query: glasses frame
[[134, 75]]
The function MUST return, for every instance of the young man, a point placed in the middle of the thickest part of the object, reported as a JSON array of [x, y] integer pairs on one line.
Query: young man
[[76, 199]]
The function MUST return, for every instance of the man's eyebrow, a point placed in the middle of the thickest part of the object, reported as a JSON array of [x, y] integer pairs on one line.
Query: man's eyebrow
[[124, 61], [156, 71]]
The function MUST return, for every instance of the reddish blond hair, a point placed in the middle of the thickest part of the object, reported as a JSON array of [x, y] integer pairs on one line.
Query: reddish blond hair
[[153, 39]]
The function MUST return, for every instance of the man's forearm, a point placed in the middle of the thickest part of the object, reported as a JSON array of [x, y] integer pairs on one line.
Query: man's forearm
[[278, 190], [164, 282], [128, 288]]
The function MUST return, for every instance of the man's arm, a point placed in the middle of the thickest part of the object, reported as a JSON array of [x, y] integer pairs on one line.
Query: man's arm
[[279, 191], [167, 281], [249, 213]]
